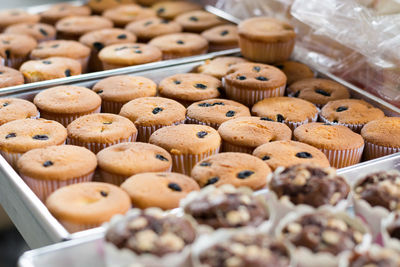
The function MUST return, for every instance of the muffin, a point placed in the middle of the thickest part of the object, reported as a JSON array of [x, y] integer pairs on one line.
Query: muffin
[[244, 134], [177, 45], [124, 14], [62, 10], [98, 6], [266, 40], [99, 39], [10, 77], [295, 71], [118, 90], [73, 27], [13, 16], [63, 48], [318, 91], [128, 54], [172, 9], [213, 112], [66, 103], [12, 109], [222, 37], [342, 146], [40, 31], [288, 153], [198, 21], [291, 111], [375, 256], [50, 68], [218, 67], [149, 28], [249, 83], [16, 48], [20, 136], [187, 144], [382, 137], [83, 206], [353, 113], [237, 169], [226, 207], [101, 130], [190, 87], [152, 113], [119, 162], [157, 189], [45, 170]]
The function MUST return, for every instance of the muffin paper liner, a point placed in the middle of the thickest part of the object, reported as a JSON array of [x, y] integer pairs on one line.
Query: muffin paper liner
[[317, 105], [184, 163], [144, 132], [43, 188], [343, 158], [373, 151], [388, 241], [15, 62], [94, 62], [294, 125], [249, 97], [304, 257], [46, 39], [266, 52], [228, 147], [2, 61], [214, 47], [73, 227], [111, 107], [11, 157], [96, 147], [84, 63], [354, 127], [173, 55], [66, 119], [194, 121]]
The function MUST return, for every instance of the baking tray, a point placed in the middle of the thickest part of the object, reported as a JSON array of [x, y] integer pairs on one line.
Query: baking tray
[[89, 250]]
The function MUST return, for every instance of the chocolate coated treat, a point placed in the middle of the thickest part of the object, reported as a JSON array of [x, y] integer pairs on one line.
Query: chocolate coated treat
[[241, 250], [152, 232], [322, 232], [306, 184], [227, 207], [394, 228], [380, 189], [366, 259]]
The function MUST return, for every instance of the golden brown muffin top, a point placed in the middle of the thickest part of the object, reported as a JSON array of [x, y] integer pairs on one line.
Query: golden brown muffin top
[[130, 54], [99, 39], [198, 20], [266, 29], [62, 10], [223, 34], [218, 67], [79, 25], [124, 14], [295, 71], [10, 77], [14, 16], [51, 68], [148, 28], [60, 48], [179, 42], [383, 132], [39, 31], [15, 109], [171, 9], [17, 44]]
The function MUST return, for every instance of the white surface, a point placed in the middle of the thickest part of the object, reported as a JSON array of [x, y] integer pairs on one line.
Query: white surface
[[25, 3]]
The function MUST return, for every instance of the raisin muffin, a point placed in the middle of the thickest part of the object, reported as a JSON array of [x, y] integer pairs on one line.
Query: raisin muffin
[[98, 6], [124, 14], [73, 27], [295, 71], [318, 91], [46, 169], [13, 16], [10, 77], [266, 40], [12, 109], [382, 137], [101, 130], [187, 144], [222, 37], [62, 10], [353, 113], [99, 39], [20, 136], [119, 162], [66, 103], [16, 48], [190, 87], [87, 205], [172, 9], [226, 207], [342, 146], [63, 48], [249, 83], [291, 111], [40, 31], [288, 153], [157, 189], [118, 90], [149, 28], [244, 134], [128, 54], [213, 112], [198, 21], [218, 67], [50, 68], [177, 45], [237, 169], [152, 113]]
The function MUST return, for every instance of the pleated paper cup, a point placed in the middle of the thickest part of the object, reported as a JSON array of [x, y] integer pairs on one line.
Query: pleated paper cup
[[184, 163], [228, 147], [15, 62], [343, 158], [144, 132], [111, 107], [195, 121], [293, 125], [95, 147], [354, 127], [66, 119], [11, 157], [43, 188], [373, 151], [388, 241]]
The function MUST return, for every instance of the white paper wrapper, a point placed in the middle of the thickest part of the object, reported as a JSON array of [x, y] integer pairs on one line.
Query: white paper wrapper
[[294, 125], [343, 158], [66, 119], [373, 151], [11, 157], [2, 61], [194, 121], [185, 163], [354, 127], [388, 241], [228, 147], [144, 132], [96, 147], [43, 188]]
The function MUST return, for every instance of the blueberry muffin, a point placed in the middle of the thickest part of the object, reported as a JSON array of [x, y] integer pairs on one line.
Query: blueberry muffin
[[219, 67], [12, 109], [73, 27], [40, 31], [62, 10], [149, 28], [13, 16], [198, 21], [171, 9], [10, 77], [16, 48], [222, 37], [98, 6], [124, 14], [295, 71]]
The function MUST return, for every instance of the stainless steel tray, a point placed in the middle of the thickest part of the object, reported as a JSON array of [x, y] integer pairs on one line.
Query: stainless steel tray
[[89, 250]]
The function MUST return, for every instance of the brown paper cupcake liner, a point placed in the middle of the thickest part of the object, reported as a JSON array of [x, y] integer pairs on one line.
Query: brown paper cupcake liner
[[43, 188], [96, 147], [354, 127], [228, 147], [15, 62], [66, 119], [195, 121], [185, 163], [111, 107], [95, 62], [144, 132], [373, 151], [343, 158], [388, 241], [174, 55], [219, 47]]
